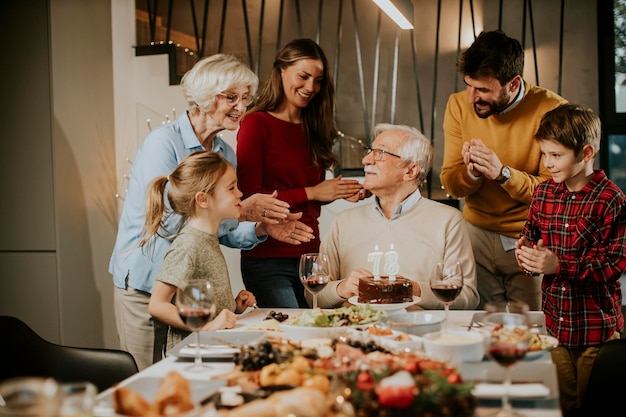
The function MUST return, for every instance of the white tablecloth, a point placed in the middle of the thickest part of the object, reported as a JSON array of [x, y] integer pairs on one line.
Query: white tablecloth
[[539, 371]]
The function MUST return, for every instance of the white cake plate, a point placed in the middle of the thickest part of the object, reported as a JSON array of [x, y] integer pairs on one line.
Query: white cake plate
[[385, 307]]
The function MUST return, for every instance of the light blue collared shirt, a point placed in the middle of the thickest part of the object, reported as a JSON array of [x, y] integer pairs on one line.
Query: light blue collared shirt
[[159, 154], [403, 207]]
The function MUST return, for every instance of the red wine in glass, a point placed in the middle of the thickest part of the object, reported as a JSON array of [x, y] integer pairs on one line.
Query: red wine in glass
[[446, 292], [195, 303], [506, 356], [313, 270], [507, 333], [315, 284], [195, 319], [447, 283]]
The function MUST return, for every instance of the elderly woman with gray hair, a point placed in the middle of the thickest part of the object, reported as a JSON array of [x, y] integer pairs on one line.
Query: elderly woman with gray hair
[[217, 90]]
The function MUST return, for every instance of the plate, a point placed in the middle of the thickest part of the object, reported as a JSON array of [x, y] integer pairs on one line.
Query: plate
[[529, 390], [384, 307], [219, 344], [300, 333], [148, 388], [536, 318], [545, 339], [409, 342]]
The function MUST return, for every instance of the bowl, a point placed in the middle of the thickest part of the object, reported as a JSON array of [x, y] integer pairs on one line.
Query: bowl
[[454, 346], [417, 323]]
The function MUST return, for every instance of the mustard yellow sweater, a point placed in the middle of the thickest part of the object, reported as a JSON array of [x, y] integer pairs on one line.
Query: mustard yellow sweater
[[500, 208]]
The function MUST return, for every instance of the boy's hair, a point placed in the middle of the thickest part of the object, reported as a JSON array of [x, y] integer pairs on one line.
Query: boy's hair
[[199, 171], [493, 54], [571, 125]]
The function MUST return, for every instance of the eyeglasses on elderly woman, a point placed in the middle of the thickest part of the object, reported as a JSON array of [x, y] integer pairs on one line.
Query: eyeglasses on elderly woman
[[233, 99]]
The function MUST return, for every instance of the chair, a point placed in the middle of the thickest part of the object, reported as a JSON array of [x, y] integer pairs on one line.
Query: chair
[[607, 381], [24, 353]]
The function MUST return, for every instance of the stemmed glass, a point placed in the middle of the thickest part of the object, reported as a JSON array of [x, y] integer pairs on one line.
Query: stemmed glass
[[314, 273], [447, 284], [507, 333], [195, 303]]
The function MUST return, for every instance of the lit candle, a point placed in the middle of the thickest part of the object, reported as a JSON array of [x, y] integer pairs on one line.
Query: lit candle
[[391, 263], [375, 258]]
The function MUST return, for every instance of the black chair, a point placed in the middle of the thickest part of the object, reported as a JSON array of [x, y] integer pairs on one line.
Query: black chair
[[24, 353], [607, 381]]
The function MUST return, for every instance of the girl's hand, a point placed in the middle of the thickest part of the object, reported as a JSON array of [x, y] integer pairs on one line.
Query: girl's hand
[[225, 320], [244, 300]]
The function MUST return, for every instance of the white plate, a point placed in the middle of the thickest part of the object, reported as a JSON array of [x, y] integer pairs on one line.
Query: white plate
[[148, 388], [520, 390], [299, 333], [385, 307], [534, 354], [215, 344]]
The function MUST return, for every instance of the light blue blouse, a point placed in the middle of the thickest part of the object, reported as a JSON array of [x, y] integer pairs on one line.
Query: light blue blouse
[[159, 154]]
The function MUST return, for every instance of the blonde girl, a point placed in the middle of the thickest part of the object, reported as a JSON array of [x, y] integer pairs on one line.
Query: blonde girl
[[203, 192]]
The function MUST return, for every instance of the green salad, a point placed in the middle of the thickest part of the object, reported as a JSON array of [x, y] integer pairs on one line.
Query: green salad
[[344, 316]]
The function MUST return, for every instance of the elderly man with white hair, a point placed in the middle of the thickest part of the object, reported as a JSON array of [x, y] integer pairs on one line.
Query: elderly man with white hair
[[421, 231]]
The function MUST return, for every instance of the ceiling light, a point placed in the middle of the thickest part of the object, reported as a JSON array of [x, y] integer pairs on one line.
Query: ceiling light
[[395, 14]]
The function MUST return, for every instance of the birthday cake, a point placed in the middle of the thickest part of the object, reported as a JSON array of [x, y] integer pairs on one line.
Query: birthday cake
[[385, 291]]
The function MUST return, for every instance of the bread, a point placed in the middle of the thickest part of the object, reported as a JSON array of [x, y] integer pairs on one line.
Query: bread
[[301, 402], [174, 395], [173, 398], [128, 403]]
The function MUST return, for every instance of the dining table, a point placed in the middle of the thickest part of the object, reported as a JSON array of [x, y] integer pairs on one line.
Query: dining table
[[539, 370]]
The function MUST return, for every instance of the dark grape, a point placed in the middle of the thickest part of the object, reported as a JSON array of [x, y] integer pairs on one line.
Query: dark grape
[[277, 316]]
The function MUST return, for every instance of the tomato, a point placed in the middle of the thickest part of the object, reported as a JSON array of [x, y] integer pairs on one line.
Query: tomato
[[411, 366], [364, 381], [395, 397], [454, 378]]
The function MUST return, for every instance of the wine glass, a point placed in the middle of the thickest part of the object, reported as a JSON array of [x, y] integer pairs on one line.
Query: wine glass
[[314, 273], [195, 303], [507, 333], [447, 284]]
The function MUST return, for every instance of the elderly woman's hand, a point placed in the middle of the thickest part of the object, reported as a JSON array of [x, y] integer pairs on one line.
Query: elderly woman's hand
[[289, 231], [264, 208]]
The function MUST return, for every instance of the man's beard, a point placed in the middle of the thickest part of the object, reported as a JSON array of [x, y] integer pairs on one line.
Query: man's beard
[[493, 108]]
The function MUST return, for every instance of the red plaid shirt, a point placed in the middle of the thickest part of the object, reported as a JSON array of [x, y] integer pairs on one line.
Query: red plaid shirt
[[587, 230]]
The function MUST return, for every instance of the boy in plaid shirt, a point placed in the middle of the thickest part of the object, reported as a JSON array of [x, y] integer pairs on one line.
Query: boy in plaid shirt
[[575, 236]]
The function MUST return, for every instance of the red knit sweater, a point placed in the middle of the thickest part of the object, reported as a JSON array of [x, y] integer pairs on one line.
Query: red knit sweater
[[272, 154]]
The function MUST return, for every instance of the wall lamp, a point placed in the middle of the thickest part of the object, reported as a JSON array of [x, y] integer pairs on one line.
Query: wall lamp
[[393, 11]]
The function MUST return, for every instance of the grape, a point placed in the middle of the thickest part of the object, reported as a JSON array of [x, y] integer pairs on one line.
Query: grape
[[277, 316]]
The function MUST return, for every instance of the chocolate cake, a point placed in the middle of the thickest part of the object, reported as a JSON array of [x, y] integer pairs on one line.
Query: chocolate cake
[[383, 291]]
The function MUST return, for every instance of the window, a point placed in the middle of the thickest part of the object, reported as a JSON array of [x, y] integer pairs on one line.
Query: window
[[612, 71]]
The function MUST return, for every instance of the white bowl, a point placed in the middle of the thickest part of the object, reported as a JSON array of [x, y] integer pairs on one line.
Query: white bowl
[[454, 346], [417, 323], [300, 333]]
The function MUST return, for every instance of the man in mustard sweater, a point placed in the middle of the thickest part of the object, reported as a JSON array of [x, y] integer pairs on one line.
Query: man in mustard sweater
[[493, 161]]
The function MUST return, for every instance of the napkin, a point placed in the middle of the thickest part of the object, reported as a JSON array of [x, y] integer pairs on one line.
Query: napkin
[[519, 390]]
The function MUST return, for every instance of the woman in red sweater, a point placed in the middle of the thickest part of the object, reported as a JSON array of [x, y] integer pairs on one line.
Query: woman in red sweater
[[285, 144]]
